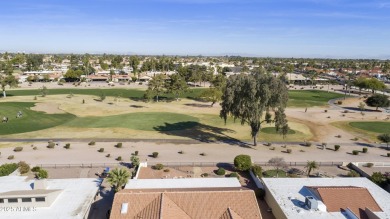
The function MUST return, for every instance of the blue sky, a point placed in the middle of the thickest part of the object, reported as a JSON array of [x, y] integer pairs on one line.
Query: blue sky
[[276, 28]]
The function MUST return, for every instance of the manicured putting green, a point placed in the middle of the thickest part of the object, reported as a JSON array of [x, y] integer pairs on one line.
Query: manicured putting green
[[30, 121], [147, 121], [309, 98], [272, 130], [378, 127]]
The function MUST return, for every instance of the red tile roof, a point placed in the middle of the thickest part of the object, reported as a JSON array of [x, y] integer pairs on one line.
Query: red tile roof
[[337, 198], [185, 204]]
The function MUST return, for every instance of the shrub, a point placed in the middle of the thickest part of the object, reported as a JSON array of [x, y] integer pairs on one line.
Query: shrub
[[369, 165], [23, 167], [234, 175], [268, 144], [92, 143], [339, 102], [17, 149], [353, 173], [388, 154], [166, 170], [8, 168], [181, 152], [204, 175], [42, 174], [355, 139], [155, 154], [136, 153], [365, 150], [119, 158], [326, 111], [289, 151], [51, 144], [355, 152], [243, 162], [35, 169], [108, 155], [220, 172], [101, 150], [336, 147], [308, 144], [257, 170], [11, 157], [338, 136], [260, 193], [202, 154], [67, 146], [35, 148], [272, 148], [158, 166], [324, 144], [119, 145]]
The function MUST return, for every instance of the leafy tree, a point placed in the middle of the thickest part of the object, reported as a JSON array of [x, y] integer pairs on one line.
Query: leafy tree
[[257, 170], [385, 138], [156, 86], [73, 75], [242, 162], [378, 100], [311, 165], [43, 91], [378, 178], [247, 97], [374, 84], [212, 95], [362, 106], [118, 178], [33, 62], [176, 85], [8, 80], [361, 83], [278, 163]]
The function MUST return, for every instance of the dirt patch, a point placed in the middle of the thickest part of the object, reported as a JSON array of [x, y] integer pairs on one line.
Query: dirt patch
[[49, 108]]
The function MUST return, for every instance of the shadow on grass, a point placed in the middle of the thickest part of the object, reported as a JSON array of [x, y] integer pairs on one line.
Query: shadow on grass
[[198, 105], [200, 132]]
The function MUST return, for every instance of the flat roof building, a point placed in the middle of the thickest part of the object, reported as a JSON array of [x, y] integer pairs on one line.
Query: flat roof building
[[50, 198], [307, 198]]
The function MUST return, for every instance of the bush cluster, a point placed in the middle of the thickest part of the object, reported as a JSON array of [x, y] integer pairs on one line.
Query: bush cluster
[[243, 162], [101, 150], [119, 145], [119, 158], [234, 175], [155, 154], [51, 144], [336, 147], [158, 166], [35, 169], [67, 146], [8, 168], [220, 172], [42, 174], [92, 143], [365, 150], [17, 149], [257, 170], [289, 151], [355, 152], [23, 167], [11, 157]]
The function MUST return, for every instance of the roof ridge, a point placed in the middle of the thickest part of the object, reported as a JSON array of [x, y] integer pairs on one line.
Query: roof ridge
[[167, 197]]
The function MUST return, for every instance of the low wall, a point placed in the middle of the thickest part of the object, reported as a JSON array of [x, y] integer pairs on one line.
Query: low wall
[[256, 179]]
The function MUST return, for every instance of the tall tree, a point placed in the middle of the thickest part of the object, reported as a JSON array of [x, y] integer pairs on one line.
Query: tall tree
[[156, 86], [118, 178], [378, 100], [176, 85], [8, 80], [247, 97], [374, 84], [310, 166], [385, 138]]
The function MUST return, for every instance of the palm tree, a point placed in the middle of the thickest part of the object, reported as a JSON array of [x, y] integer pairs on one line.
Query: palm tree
[[311, 165], [118, 177]]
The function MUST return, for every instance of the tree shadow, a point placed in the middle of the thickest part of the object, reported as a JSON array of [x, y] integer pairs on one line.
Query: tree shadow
[[198, 105], [357, 109], [137, 106], [200, 132]]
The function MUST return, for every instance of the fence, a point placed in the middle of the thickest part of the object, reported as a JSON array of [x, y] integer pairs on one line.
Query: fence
[[90, 165]]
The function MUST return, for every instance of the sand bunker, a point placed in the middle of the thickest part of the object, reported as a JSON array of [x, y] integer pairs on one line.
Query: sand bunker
[[49, 108]]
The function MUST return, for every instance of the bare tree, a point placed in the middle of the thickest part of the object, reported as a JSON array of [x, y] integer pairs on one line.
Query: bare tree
[[278, 163]]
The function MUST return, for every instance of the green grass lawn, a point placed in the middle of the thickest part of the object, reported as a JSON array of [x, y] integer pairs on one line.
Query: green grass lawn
[[272, 130], [147, 121], [297, 98], [113, 92], [31, 120], [309, 98], [272, 173], [378, 127]]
